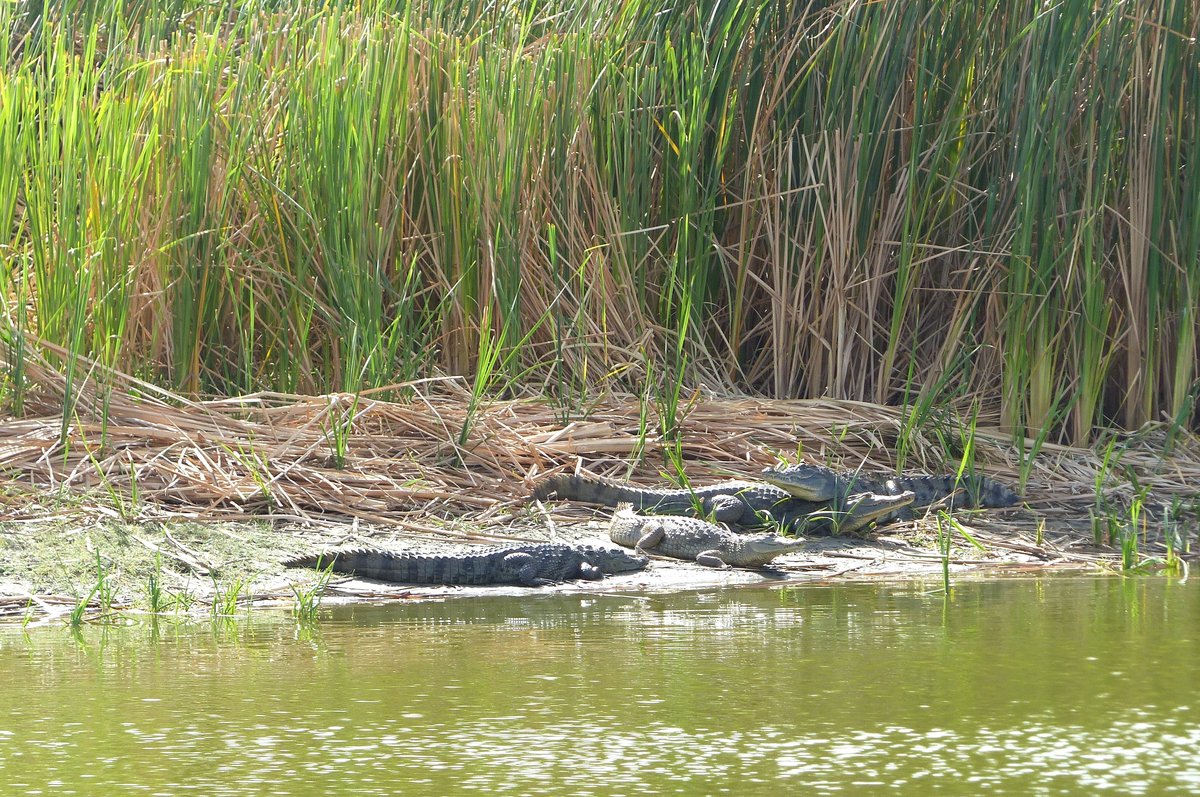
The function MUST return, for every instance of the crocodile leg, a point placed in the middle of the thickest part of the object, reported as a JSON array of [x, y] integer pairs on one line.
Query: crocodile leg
[[653, 532], [590, 572], [870, 508], [726, 508], [527, 570], [713, 559]]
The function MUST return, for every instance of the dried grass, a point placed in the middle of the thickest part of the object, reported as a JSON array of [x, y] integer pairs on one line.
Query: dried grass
[[268, 455]]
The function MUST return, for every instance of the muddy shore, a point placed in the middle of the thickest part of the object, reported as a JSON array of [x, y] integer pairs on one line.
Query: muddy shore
[[49, 565], [199, 503]]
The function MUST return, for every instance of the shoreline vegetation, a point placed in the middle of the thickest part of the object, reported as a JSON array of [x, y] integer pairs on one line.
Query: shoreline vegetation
[[385, 263], [198, 502]]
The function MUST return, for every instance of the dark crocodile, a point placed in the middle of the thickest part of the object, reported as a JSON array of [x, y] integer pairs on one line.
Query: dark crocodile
[[533, 565], [696, 540], [819, 483], [742, 504]]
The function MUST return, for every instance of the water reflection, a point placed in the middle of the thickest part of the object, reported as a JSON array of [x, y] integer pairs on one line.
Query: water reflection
[[1073, 686]]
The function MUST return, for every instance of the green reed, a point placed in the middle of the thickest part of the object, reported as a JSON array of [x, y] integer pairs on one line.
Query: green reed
[[944, 545], [308, 600], [226, 595], [102, 591], [940, 202], [156, 597]]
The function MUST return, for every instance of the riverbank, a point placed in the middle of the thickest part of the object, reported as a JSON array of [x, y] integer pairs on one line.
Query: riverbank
[[79, 554], [199, 502]]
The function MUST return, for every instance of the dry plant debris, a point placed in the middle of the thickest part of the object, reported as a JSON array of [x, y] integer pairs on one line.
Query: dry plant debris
[[271, 455], [137, 453]]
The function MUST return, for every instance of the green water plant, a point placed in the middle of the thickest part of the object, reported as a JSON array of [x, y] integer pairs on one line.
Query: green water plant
[[183, 600], [308, 599], [1128, 532], [104, 589], [1127, 538], [947, 526], [101, 590], [944, 543], [225, 596], [156, 598], [1173, 536]]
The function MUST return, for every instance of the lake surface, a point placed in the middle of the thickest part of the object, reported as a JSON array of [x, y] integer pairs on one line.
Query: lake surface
[[1078, 685]]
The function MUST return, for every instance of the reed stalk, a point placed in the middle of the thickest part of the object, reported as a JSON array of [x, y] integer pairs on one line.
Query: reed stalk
[[960, 203]]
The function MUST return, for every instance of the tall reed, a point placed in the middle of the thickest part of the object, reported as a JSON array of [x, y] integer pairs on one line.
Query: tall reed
[[987, 204]]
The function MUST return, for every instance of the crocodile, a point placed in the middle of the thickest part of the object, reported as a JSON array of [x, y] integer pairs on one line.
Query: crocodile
[[841, 514], [739, 503], [819, 483], [533, 565], [696, 540]]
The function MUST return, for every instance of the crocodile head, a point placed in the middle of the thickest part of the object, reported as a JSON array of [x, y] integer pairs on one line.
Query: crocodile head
[[808, 482], [613, 560], [759, 551], [860, 510]]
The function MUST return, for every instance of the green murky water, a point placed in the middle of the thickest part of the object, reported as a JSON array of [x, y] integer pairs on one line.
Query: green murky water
[[1063, 686]]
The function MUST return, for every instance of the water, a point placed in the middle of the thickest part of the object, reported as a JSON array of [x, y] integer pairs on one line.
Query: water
[[1020, 686]]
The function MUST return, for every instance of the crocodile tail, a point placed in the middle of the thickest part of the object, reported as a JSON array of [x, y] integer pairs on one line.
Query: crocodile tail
[[337, 561], [595, 490], [996, 493], [398, 567], [470, 569], [308, 560], [363, 562]]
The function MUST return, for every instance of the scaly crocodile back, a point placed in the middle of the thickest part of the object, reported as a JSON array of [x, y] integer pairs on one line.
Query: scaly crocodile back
[[740, 502], [946, 490], [523, 564], [698, 540], [969, 491], [606, 492], [824, 484]]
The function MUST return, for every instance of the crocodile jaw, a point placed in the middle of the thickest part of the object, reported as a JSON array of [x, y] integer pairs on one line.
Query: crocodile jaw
[[808, 482], [759, 552], [869, 506], [611, 560]]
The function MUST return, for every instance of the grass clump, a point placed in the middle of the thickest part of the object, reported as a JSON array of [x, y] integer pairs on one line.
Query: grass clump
[[225, 596], [101, 592], [308, 599]]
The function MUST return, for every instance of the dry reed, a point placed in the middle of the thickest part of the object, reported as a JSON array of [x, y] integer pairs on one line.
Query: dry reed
[[268, 455]]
